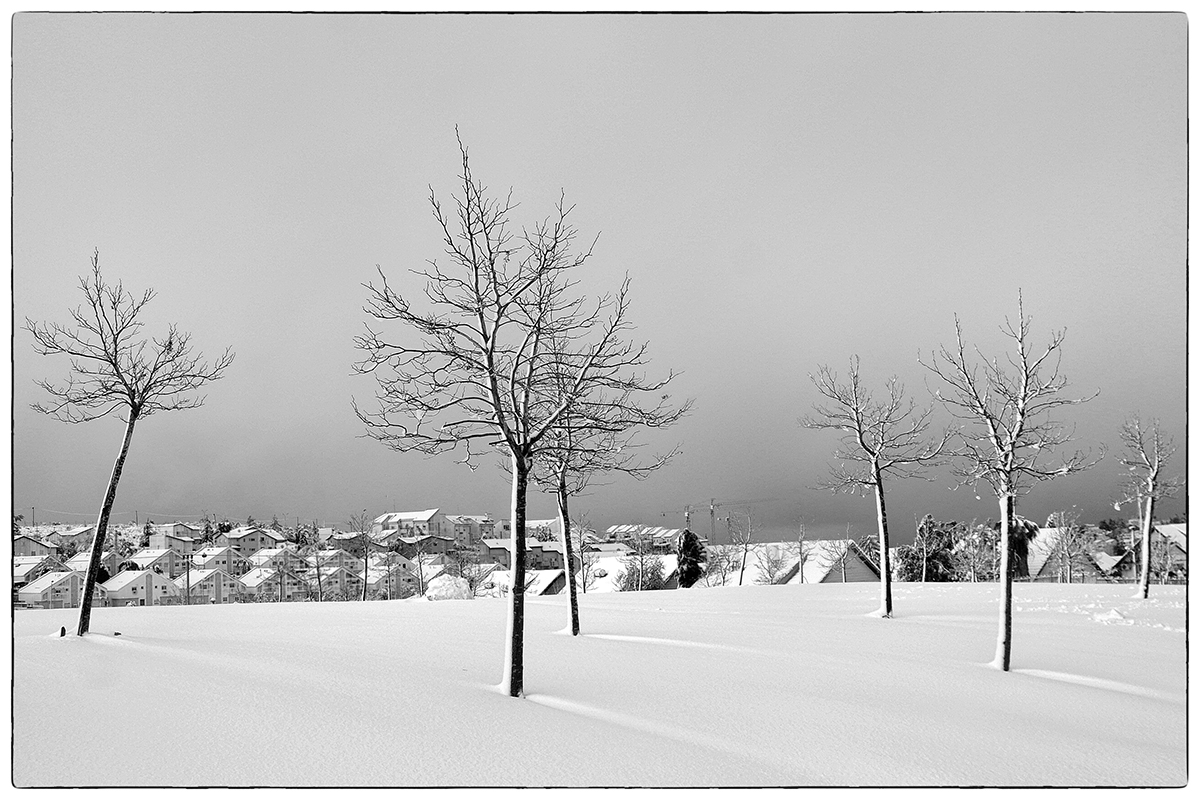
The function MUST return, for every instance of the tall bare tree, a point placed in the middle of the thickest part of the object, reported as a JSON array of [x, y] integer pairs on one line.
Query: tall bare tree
[[742, 531], [1009, 407], [884, 437], [477, 372], [1073, 545], [1146, 455], [117, 370], [594, 436]]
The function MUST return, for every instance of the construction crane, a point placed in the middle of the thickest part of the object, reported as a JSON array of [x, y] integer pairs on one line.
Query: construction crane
[[713, 505]]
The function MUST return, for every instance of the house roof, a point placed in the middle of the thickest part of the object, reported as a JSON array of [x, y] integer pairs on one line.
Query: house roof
[[1041, 548], [1107, 562], [241, 533], [537, 580], [36, 540], [645, 530], [209, 552], [462, 519], [46, 581], [200, 576], [1176, 533], [148, 556], [407, 516], [123, 579], [79, 561]]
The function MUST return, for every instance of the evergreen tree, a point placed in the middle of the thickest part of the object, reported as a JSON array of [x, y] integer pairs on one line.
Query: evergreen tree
[[692, 559]]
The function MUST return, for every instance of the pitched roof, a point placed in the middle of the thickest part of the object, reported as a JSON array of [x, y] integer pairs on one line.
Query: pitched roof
[[1176, 533], [537, 581], [1041, 548], [148, 556], [46, 581], [123, 579], [1107, 562], [406, 516], [199, 576]]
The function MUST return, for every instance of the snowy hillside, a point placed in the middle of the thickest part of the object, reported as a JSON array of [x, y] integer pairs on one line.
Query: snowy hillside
[[757, 685]]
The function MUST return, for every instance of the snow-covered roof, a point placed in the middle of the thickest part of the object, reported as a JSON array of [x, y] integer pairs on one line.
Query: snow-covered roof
[[406, 516], [1176, 533], [1041, 548], [123, 579], [47, 581], [148, 556], [199, 576], [260, 575], [80, 560], [645, 530], [241, 533], [606, 569], [1107, 562], [209, 552], [461, 519], [537, 581]]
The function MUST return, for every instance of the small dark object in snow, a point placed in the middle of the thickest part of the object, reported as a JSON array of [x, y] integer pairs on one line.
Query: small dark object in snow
[[62, 631], [116, 633]]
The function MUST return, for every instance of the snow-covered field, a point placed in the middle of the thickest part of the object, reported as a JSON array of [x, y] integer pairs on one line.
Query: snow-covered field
[[755, 685]]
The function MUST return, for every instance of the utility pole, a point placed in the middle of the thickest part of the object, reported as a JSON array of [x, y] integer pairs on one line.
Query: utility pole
[[712, 520]]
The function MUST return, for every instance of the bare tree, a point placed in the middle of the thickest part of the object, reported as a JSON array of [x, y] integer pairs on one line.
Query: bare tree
[[885, 437], [741, 536], [976, 553], [587, 558], [361, 524], [772, 563], [594, 436], [721, 562], [802, 550], [1009, 406], [1073, 545], [1146, 455], [114, 369], [479, 372]]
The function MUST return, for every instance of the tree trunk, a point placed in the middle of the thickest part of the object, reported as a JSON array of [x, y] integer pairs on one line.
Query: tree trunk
[[93, 571], [1004, 636], [513, 682], [1147, 522], [885, 576], [366, 565], [564, 524]]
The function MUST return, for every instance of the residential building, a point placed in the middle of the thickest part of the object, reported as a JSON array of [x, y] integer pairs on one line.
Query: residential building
[[264, 583], [334, 558], [659, 540], [246, 541], [79, 537], [394, 581], [468, 529], [223, 558], [58, 590], [24, 545], [80, 561], [168, 562], [538, 555], [140, 588], [537, 582], [337, 583], [414, 523], [27, 569], [279, 558], [183, 545], [208, 586], [179, 530], [410, 546]]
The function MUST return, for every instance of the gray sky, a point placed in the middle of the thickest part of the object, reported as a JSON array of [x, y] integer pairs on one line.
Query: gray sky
[[784, 191]]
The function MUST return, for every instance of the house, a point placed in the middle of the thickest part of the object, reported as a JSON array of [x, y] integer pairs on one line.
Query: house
[[279, 557], [27, 569], [467, 529], [494, 551], [140, 588], [24, 546], [830, 561], [337, 583], [79, 537], [1048, 563], [178, 530], [334, 558], [414, 523], [410, 546], [245, 541], [223, 558], [265, 583], [208, 586], [604, 573], [1114, 568], [810, 561], [660, 540], [1174, 537], [606, 548], [168, 562], [393, 581], [538, 554], [353, 543], [80, 561], [537, 582], [58, 590], [183, 545]]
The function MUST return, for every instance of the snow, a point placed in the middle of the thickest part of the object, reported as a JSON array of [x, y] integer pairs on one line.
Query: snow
[[752, 685], [448, 587]]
